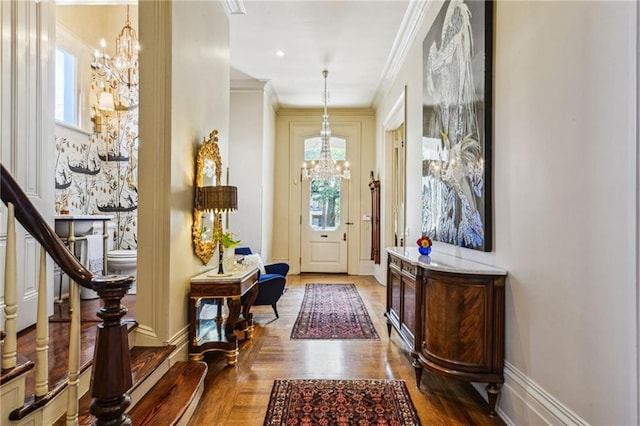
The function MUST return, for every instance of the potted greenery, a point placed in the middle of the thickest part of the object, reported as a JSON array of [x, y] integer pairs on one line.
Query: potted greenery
[[229, 243]]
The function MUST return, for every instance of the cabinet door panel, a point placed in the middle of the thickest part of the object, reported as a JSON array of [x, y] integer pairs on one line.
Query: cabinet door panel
[[455, 325], [409, 311], [394, 292]]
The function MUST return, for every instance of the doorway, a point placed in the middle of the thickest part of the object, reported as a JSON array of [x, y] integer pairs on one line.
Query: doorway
[[398, 199], [324, 212]]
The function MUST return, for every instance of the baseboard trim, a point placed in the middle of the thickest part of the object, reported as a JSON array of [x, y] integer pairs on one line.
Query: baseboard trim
[[522, 401]]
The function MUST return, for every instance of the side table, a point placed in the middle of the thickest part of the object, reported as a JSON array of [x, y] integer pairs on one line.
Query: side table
[[212, 331]]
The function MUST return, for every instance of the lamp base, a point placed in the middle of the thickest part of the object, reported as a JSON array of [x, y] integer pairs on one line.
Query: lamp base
[[220, 268]]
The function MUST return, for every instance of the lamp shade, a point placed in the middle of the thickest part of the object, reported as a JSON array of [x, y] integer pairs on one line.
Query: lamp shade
[[218, 199], [105, 102]]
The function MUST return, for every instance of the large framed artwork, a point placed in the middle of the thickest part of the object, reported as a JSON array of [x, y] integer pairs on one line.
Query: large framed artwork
[[456, 142]]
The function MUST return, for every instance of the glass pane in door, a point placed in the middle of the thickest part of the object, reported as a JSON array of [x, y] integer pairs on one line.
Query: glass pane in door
[[312, 148], [324, 205]]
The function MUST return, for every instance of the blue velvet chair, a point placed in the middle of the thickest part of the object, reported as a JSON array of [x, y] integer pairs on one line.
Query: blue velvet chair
[[271, 284]]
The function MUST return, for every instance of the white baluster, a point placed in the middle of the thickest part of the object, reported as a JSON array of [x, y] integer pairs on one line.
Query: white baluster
[[42, 330], [9, 359], [74, 343]]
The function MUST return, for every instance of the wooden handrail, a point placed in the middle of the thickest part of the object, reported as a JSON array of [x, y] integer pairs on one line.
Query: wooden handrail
[[34, 223], [111, 373]]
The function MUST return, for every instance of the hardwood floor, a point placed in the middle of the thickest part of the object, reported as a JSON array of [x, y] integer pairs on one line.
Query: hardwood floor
[[239, 395]]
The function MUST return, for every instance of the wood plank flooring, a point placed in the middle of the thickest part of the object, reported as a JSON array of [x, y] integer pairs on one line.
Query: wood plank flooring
[[239, 395]]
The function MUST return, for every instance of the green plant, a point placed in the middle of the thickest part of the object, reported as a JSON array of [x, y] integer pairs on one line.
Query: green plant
[[227, 239]]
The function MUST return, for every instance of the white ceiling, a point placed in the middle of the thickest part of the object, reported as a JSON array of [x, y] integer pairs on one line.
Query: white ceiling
[[353, 39]]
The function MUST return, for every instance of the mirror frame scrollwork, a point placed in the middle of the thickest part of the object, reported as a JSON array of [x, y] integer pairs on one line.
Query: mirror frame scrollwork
[[209, 152]]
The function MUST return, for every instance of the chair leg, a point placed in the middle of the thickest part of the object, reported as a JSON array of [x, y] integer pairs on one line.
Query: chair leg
[[273, 305]]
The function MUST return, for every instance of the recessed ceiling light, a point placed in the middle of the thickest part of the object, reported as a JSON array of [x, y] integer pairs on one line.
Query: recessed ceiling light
[[279, 53]]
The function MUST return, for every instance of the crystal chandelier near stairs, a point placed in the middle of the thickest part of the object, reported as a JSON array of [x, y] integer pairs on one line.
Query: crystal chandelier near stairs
[[325, 169], [118, 77]]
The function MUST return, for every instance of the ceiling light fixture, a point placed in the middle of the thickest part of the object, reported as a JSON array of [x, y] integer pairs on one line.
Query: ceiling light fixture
[[326, 168]]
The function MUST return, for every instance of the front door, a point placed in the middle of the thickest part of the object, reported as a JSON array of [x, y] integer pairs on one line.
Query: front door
[[324, 209], [324, 231]]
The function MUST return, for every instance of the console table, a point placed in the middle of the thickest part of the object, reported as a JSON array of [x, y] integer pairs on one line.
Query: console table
[[215, 332], [450, 312]]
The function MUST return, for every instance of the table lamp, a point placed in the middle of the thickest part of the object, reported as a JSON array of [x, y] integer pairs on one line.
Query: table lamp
[[217, 199]]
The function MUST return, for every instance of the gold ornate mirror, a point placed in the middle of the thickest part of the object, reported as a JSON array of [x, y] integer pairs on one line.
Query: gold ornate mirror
[[208, 173]]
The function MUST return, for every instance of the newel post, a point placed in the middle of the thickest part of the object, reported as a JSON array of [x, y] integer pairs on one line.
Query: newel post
[[111, 377]]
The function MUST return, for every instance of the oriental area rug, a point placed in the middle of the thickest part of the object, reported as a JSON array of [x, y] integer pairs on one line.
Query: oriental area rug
[[333, 311], [340, 403]]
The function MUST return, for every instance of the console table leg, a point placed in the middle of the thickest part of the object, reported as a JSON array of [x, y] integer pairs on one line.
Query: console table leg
[[248, 316], [196, 357], [388, 325], [232, 319], [418, 370], [232, 356], [493, 390]]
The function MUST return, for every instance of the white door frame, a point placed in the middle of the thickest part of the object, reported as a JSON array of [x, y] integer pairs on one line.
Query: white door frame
[[394, 119]]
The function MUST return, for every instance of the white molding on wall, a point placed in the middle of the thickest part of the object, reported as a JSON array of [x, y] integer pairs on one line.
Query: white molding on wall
[[409, 28], [153, 251], [531, 402], [248, 85], [637, 236], [235, 7]]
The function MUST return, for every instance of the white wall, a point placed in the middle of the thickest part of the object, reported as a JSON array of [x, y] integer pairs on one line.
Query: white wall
[[184, 63], [247, 163], [565, 205]]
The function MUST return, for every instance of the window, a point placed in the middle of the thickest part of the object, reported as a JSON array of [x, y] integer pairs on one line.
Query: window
[[324, 206], [66, 87], [312, 149], [324, 197]]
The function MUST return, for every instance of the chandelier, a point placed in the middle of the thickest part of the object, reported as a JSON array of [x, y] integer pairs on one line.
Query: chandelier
[[118, 75], [326, 168]]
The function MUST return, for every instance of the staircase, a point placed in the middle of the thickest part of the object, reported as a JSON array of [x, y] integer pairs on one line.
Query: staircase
[[80, 365]]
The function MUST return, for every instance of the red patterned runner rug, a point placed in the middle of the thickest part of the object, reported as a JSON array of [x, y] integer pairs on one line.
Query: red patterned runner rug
[[333, 311], [341, 403]]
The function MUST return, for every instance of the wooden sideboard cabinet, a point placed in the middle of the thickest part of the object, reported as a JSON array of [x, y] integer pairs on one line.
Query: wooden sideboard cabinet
[[458, 308], [401, 298]]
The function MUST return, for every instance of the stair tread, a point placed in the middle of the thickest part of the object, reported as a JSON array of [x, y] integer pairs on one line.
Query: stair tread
[[171, 396], [144, 360]]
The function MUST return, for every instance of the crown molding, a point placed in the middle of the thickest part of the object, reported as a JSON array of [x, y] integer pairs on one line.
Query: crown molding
[[248, 85], [409, 28], [257, 86], [333, 112], [235, 7]]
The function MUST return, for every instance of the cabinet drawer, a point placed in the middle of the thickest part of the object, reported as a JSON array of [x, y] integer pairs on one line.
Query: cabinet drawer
[[394, 261], [410, 269]]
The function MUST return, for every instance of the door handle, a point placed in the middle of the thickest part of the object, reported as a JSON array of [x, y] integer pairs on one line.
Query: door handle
[[344, 237], [348, 223], [323, 236]]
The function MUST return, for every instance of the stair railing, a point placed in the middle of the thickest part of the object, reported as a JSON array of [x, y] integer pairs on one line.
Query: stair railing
[[111, 373]]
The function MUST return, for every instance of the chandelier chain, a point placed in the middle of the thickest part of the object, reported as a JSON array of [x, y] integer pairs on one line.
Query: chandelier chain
[[325, 168]]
